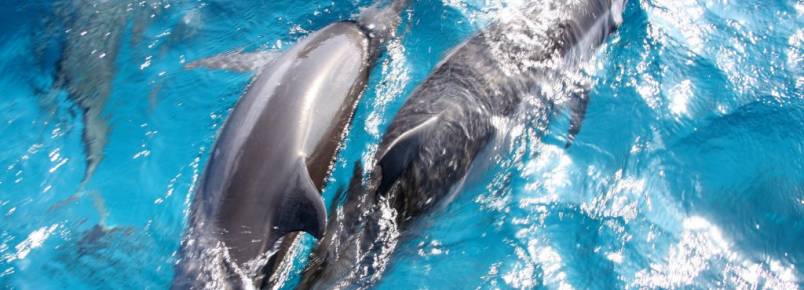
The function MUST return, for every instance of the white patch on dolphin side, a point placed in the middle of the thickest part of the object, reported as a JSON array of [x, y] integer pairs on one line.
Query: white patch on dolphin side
[[617, 7]]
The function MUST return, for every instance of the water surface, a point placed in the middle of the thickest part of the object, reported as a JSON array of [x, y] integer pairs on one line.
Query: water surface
[[687, 172]]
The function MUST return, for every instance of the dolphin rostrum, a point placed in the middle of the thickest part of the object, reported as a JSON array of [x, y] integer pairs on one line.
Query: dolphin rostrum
[[434, 138], [273, 154]]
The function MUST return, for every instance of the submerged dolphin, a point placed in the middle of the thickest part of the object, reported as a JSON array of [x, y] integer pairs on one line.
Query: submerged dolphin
[[87, 67], [435, 136], [273, 154]]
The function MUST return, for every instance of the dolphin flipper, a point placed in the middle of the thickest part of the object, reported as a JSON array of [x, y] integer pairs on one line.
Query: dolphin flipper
[[303, 208], [237, 61], [578, 104]]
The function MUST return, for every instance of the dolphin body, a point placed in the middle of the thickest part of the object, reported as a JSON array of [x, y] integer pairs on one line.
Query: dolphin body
[[86, 68], [273, 154], [435, 136]]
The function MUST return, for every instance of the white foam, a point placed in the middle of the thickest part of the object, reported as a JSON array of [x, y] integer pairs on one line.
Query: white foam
[[35, 240]]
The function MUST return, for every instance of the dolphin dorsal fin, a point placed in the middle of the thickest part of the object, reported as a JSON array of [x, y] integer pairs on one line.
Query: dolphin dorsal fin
[[401, 152], [303, 209], [238, 61]]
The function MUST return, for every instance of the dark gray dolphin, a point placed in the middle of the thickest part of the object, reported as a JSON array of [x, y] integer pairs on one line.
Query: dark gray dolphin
[[435, 136], [277, 147]]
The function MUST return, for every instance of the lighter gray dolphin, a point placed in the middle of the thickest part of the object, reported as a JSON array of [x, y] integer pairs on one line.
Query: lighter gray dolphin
[[276, 149], [435, 136], [86, 69]]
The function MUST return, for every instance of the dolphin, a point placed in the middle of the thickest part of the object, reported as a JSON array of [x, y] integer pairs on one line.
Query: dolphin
[[434, 138], [276, 149], [87, 67]]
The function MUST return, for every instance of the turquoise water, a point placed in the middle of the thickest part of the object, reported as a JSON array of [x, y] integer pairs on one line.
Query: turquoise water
[[687, 173]]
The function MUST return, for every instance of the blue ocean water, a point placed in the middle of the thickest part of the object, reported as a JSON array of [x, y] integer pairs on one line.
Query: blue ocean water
[[688, 171]]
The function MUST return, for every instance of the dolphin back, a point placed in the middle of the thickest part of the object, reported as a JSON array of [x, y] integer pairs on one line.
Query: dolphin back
[[273, 155], [434, 138]]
